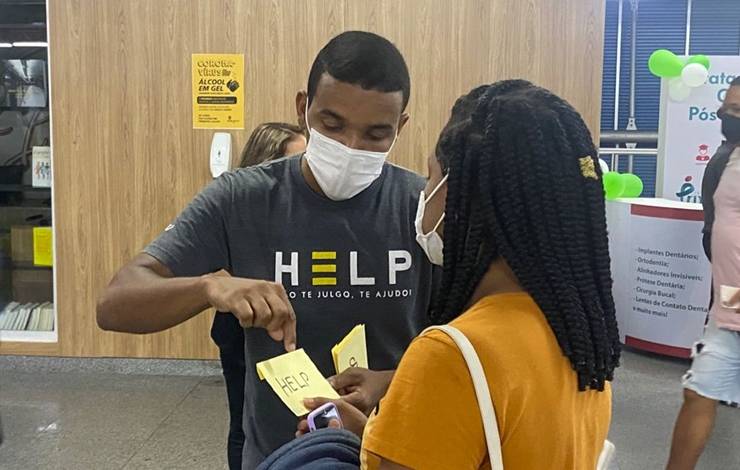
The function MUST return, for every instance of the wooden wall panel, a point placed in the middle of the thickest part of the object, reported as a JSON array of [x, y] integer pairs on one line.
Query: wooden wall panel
[[126, 159]]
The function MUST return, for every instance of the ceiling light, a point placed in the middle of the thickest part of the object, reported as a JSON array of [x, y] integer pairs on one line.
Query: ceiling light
[[5, 44], [30, 44]]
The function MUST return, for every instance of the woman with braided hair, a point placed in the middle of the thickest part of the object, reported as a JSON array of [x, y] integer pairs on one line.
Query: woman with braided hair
[[514, 211], [524, 192]]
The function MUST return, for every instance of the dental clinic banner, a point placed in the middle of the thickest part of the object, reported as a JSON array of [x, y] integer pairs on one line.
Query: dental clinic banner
[[690, 132], [662, 278]]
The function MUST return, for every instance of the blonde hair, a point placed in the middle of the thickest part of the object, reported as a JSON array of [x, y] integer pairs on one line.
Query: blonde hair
[[268, 142]]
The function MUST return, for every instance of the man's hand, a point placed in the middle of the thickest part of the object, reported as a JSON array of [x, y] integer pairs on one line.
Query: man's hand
[[254, 303], [353, 419], [362, 388]]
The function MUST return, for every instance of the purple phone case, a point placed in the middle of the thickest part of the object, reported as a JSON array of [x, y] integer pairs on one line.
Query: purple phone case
[[320, 417]]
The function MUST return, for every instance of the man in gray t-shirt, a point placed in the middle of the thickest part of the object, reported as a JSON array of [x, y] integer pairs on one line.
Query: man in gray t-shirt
[[302, 249]]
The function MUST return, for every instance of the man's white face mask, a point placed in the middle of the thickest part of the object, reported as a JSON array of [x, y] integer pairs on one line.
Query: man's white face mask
[[340, 171]]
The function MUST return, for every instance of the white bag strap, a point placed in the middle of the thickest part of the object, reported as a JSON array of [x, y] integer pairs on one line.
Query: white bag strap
[[487, 412], [482, 393]]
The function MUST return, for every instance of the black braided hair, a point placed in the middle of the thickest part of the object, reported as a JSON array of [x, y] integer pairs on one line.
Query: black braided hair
[[525, 184]]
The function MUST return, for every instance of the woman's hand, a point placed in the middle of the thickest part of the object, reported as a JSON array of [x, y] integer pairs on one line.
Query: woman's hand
[[362, 388], [353, 419]]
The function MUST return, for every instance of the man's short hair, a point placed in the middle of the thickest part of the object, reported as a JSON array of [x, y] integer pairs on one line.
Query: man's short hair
[[364, 59]]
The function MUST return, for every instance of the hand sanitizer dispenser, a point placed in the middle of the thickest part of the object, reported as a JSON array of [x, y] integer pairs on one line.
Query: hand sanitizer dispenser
[[220, 153]]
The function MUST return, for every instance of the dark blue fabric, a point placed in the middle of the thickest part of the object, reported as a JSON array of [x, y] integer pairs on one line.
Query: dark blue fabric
[[228, 334], [323, 449], [714, 27], [609, 72]]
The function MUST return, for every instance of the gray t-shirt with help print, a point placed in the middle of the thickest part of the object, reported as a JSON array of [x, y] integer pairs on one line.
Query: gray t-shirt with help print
[[342, 263]]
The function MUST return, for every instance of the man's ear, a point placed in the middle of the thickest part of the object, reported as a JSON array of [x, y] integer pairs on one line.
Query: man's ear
[[402, 121], [301, 98]]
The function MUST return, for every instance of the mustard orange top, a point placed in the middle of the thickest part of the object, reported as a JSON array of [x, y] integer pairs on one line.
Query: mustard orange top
[[430, 417]]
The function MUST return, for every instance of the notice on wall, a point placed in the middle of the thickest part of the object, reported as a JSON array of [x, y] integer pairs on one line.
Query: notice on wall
[[661, 276], [41, 167], [294, 377], [218, 91], [690, 132], [43, 247]]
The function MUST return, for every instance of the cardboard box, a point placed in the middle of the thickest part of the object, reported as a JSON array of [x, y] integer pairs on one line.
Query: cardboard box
[[21, 244], [33, 285]]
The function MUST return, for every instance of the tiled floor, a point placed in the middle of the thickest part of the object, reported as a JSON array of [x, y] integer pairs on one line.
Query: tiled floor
[[101, 420], [647, 397], [107, 421]]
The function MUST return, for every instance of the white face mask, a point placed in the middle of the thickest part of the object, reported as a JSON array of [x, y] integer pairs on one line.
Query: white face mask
[[340, 171], [431, 242]]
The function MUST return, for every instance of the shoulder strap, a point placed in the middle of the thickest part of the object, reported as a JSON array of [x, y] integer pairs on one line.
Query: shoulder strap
[[482, 393]]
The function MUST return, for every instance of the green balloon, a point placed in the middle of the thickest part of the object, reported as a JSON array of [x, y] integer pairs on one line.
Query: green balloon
[[665, 63], [613, 185], [632, 185], [699, 59]]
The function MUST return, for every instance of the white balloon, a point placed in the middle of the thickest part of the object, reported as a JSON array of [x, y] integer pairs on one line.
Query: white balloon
[[604, 166], [694, 75], [677, 90]]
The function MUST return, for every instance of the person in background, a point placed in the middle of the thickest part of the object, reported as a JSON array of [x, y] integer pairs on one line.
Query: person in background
[[526, 277], [269, 141], [715, 371], [301, 250], [717, 164]]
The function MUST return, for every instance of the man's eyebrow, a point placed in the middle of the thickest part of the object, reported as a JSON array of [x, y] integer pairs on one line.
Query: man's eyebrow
[[381, 127], [331, 114], [328, 113]]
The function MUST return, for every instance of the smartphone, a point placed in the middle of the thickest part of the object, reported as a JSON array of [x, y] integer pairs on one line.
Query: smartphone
[[726, 294], [320, 417]]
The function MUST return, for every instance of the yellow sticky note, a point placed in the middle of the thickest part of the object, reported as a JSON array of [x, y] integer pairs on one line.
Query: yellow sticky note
[[351, 351], [294, 377], [43, 247]]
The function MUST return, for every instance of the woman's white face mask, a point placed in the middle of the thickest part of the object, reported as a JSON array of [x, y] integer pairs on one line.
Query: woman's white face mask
[[431, 242], [340, 171]]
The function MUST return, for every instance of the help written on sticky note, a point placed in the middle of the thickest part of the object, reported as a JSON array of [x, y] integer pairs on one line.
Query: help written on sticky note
[[294, 377], [351, 351]]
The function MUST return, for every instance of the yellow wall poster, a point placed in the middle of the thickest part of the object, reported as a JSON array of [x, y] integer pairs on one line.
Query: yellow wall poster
[[43, 247], [218, 91], [294, 377]]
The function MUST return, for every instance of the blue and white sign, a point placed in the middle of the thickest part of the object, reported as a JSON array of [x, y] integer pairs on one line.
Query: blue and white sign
[[690, 132]]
